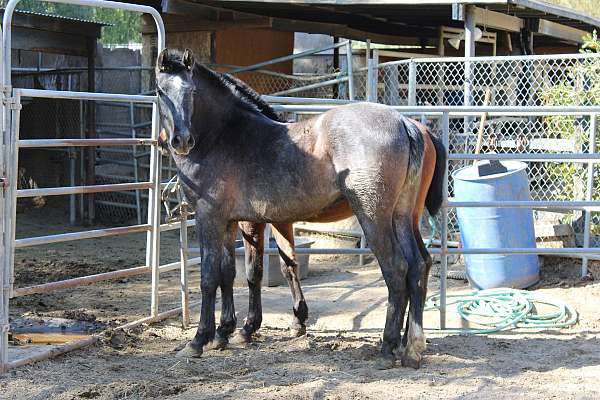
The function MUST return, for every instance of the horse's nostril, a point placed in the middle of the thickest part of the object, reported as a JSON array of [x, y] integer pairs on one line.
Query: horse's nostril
[[176, 141], [190, 142]]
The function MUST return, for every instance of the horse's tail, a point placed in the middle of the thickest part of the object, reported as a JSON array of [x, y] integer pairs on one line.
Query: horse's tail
[[435, 194]]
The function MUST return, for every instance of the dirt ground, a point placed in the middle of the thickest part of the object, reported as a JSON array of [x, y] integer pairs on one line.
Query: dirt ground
[[335, 360]]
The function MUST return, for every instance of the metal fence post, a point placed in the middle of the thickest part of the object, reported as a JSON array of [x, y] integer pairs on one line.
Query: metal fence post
[[267, 246], [4, 288], [9, 190], [370, 82], [372, 76], [363, 245], [15, 117], [444, 227], [589, 193], [350, 70], [184, 256], [154, 209], [412, 83], [138, 198]]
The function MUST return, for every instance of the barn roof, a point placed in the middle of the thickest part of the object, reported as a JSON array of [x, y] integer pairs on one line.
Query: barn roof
[[53, 34], [368, 14]]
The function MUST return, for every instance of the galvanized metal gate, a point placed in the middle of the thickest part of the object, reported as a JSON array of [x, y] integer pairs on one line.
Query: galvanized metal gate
[[9, 156]]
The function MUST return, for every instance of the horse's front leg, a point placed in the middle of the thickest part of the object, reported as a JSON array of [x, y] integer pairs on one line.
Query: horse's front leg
[[212, 235], [284, 236], [228, 320], [253, 234]]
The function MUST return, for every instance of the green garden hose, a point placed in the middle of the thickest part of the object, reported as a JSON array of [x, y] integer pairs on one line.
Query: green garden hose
[[501, 309]]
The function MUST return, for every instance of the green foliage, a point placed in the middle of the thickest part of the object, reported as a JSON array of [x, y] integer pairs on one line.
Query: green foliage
[[125, 23], [579, 86]]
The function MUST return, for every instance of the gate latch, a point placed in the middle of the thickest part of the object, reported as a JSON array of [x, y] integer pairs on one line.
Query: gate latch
[[12, 104]]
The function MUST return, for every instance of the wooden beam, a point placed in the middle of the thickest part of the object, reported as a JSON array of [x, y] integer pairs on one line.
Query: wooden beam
[[53, 24], [49, 42], [343, 31], [496, 20], [405, 54], [559, 31], [375, 2], [177, 23], [180, 7]]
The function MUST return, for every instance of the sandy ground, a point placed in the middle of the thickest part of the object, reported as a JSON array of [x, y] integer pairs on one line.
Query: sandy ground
[[335, 360]]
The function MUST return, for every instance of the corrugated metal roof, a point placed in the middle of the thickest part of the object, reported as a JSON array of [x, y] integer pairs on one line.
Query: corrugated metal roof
[[58, 17]]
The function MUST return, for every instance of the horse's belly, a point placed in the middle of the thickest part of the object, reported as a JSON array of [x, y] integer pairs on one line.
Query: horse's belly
[[337, 211]]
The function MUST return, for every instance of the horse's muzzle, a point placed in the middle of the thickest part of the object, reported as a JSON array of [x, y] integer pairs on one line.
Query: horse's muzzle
[[182, 144]]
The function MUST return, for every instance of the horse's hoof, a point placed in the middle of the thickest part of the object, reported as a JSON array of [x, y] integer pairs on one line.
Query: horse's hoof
[[218, 343], [412, 362], [297, 331], [241, 338], [189, 352], [384, 363], [399, 352]]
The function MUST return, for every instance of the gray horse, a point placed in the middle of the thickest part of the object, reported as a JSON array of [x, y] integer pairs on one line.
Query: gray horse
[[238, 162]]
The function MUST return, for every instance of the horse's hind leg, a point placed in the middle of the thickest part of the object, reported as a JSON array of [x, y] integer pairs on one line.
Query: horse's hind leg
[[394, 267], [416, 279], [373, 206], [284, 236], [428, 264], [253, 234]]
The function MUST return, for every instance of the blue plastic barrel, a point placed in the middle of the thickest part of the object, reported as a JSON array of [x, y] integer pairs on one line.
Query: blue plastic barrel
[[496, 227]]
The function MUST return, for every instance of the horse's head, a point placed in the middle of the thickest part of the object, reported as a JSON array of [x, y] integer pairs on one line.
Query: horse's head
[[175, 87]]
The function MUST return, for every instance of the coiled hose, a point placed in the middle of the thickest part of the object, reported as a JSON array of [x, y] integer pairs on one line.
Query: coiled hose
[[501, 309]]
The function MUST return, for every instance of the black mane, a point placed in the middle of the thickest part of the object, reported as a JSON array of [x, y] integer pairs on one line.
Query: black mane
[[251, 95], [247, 97]]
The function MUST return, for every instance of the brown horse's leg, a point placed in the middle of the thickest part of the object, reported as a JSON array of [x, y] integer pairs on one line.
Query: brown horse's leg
[[428, 264], [284, 236], [253, 234], [417, 282], [413, 341]]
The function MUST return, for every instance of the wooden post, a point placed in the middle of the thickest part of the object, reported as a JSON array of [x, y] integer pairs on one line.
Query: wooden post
[[486, 102]]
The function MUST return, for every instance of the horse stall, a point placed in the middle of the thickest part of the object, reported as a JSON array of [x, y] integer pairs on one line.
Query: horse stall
[[107, 263]]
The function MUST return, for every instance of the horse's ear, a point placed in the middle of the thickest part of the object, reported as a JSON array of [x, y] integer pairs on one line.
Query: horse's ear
[[188, 59], [161, 61]]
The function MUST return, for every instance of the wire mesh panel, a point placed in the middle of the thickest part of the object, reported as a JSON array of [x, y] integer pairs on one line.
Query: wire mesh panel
[[511, 81], [392, 88], [266, 82]]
